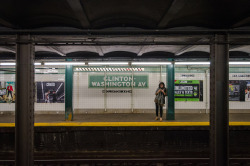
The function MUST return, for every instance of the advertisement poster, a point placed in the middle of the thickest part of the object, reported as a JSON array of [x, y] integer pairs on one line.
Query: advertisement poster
[[10, 92], [7, 92], [188, 90], [234, 90], [247, 90], [50, 92], [2, 93], [118, 81], [2, 85], [239, 90]]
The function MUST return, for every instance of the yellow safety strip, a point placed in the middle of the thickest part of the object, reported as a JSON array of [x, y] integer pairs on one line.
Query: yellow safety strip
[[117, 124]]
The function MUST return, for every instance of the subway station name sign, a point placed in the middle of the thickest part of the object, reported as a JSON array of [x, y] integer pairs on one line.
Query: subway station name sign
[[118, 81]]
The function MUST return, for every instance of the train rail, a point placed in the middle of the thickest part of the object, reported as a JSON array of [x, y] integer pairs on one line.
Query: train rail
[[128, 162]]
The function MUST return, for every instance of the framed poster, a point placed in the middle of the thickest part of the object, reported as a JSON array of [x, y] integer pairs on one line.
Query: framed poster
[[10, 96], [234, 90], [50, 92], [247, 90], [3, 98], [188, 90], [239, 90]]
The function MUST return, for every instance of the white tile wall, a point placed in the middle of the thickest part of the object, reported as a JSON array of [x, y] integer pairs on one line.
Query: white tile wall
[[144, 98], [84, 97], [93, 98]]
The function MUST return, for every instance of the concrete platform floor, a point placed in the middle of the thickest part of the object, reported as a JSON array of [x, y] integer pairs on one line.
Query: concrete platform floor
[[128, 117]]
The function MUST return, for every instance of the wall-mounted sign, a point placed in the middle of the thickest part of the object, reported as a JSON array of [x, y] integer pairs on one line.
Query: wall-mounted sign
[[187, 75], [241, 75], [47, 71], [188, 90], [118, 81], [117, 91]]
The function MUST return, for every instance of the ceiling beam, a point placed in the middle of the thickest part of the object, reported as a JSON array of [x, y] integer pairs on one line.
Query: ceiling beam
[[6, 23], [174, 8], [8, 48], [76, 6], [185, 49], [144, 48], [231, 47], [56, 50], [99, 50], [188, 47], [51, 47], [242, 22]]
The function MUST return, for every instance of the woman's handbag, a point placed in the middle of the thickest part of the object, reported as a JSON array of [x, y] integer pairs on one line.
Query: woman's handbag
[[156, 100]]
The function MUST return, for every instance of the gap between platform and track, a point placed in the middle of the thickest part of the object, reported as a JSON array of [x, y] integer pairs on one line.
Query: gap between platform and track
[[117, 124]]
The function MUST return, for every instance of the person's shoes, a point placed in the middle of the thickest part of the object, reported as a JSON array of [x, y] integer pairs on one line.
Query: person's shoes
[[160, 119], [156, 118]]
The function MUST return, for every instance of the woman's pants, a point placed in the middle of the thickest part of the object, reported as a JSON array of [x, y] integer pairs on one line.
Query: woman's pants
[[157, 108], [10, 93]]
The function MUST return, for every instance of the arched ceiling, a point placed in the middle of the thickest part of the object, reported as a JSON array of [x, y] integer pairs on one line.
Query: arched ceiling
[[111, 14], [146, 14]]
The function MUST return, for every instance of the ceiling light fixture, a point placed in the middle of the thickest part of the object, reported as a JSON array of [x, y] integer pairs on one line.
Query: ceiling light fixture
[[192, 63], [108, 63], [63, 63], [151, 63]]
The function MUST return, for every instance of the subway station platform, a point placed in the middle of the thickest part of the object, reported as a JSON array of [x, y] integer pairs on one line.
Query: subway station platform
[[119, 119]]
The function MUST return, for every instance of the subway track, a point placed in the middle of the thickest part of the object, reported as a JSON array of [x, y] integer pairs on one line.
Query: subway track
[[79, 144], [130, 162]]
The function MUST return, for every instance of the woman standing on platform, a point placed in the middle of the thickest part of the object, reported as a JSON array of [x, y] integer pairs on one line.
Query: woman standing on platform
[[160, 93]]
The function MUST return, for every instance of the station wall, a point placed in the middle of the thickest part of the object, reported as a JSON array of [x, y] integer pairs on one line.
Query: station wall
[[92, 100], [39, 107]]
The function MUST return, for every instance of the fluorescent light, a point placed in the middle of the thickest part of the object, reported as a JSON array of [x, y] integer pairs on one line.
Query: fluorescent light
[[14, 64], [192, 63], [64, 63], [8, 64], [239, 63], [108, 63], [151, 63], [38, 63]]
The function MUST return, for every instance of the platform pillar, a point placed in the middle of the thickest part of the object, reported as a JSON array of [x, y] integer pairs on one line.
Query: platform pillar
[[170, 87], [219, 104], [69, 92], [24, 109]]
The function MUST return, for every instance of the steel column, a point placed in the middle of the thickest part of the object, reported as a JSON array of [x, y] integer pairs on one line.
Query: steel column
[[219, 123], [24, 110], [170, 87], [69, 92], [105, 89], [132, 89]]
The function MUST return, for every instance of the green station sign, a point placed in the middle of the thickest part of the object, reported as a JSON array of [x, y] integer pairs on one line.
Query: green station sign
[[118, 81]]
